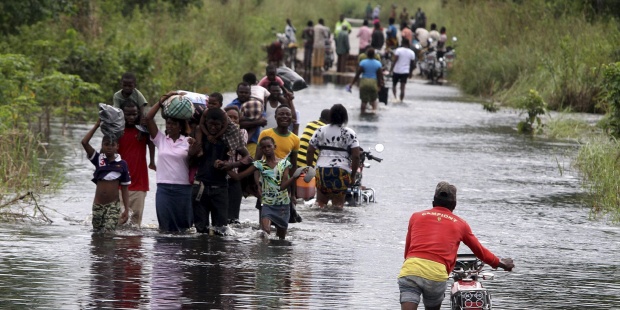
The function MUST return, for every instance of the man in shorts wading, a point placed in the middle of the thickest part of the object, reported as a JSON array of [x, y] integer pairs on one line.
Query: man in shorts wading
[[402, 68], [431, 247]]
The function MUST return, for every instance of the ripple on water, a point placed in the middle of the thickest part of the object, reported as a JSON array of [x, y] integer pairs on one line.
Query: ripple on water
[[515, 192]]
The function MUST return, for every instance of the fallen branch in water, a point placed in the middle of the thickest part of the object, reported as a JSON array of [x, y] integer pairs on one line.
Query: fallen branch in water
[[14, 200], [15, 215]]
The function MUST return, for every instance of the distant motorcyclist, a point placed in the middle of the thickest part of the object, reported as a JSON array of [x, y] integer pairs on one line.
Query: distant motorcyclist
[[434, 34], [422, 36], [441, 44]]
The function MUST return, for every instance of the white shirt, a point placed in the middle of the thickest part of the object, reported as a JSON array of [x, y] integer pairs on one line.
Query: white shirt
[[422, 35], [405, 56], [259, 92], [434, 34], [172, 159], [290, 33], [334, 136]]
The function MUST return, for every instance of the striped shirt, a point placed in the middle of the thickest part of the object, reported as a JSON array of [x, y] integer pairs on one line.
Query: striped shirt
[[305, 139]]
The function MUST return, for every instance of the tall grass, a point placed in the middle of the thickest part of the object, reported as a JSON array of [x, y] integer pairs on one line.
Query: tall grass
[[516, 46], [567, 127], [600, 164], [22, 165], [208, 49]]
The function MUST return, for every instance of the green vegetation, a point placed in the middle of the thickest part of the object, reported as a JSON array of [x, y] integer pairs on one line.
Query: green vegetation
[[59, 58], [556, 47], [599, 161], [567, 127], [23, 169], [534, 107], [611, 98]]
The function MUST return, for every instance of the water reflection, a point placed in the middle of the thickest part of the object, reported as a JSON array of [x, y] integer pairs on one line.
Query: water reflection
[[211, 272], [512, 194], [117, 279], [329, 77], [273, 274]]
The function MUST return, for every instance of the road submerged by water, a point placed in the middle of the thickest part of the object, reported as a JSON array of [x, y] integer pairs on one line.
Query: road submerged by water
[[519, 194]]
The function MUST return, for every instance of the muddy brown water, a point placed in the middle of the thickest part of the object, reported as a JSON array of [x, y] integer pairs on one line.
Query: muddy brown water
[[519, 194]]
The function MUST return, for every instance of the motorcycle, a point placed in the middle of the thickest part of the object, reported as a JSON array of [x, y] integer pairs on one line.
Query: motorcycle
[[432, 67], [450, 54], [289, 50], [357, 193], [467, 292], [386, 61]]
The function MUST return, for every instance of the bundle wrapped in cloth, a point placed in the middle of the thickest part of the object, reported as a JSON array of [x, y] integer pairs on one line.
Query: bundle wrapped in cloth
[[178, 106], [196, 98], [112, 121], [292, 80]]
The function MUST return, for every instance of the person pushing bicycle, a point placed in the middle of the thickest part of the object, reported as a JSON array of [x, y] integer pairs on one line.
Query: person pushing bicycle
[[431, 247]]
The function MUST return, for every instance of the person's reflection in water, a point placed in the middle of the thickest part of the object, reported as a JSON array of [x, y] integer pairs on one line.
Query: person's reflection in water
[[194, 273], [317, 79], [274, 275], [209, 270], [167, 277], [116, 272]]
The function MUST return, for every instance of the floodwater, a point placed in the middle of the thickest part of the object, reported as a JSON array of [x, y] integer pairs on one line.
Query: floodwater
[[519, 194]]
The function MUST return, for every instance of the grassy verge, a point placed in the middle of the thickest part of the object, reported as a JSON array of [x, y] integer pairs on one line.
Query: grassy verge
[[515, 46], [23, 175], [599, 162]]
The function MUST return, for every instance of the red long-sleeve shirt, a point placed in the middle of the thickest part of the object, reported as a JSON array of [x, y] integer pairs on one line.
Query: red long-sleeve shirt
[[435, 234]]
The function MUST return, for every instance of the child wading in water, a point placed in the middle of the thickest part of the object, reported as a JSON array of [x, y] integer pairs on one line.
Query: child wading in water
[[110, 173], [273, 175]]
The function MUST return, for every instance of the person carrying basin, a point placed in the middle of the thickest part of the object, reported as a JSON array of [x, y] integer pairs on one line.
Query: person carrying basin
[[173, 198]]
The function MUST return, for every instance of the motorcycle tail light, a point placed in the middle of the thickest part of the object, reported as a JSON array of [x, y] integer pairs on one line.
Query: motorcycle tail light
[[471, 299]]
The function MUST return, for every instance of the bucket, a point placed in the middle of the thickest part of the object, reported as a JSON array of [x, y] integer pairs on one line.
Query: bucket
[[305, 190]]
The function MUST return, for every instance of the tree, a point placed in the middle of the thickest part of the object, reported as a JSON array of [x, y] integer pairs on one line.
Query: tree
[[64, 95], [16, 13], [16, 95]]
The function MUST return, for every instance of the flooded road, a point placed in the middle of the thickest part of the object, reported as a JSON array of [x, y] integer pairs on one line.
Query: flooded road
[[519, 195]]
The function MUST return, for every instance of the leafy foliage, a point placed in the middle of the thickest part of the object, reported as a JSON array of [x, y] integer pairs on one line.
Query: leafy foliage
[[534, 106], [16, 13], [16, 95], [611, 98]]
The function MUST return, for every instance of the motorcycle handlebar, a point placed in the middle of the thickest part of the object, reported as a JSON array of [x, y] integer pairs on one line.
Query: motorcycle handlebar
[[369, 156]]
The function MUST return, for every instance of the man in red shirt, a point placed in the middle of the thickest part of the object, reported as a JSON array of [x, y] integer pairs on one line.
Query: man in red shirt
[[433, 240], [132, 147]]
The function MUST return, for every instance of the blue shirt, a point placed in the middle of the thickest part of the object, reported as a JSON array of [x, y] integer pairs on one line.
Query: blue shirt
[[109, 170], [370, 67], [391, 32], [254, 137]]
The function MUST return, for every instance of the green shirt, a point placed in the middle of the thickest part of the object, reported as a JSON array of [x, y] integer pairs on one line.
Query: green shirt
[[271, 178], [339, 25], [136, 96]]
